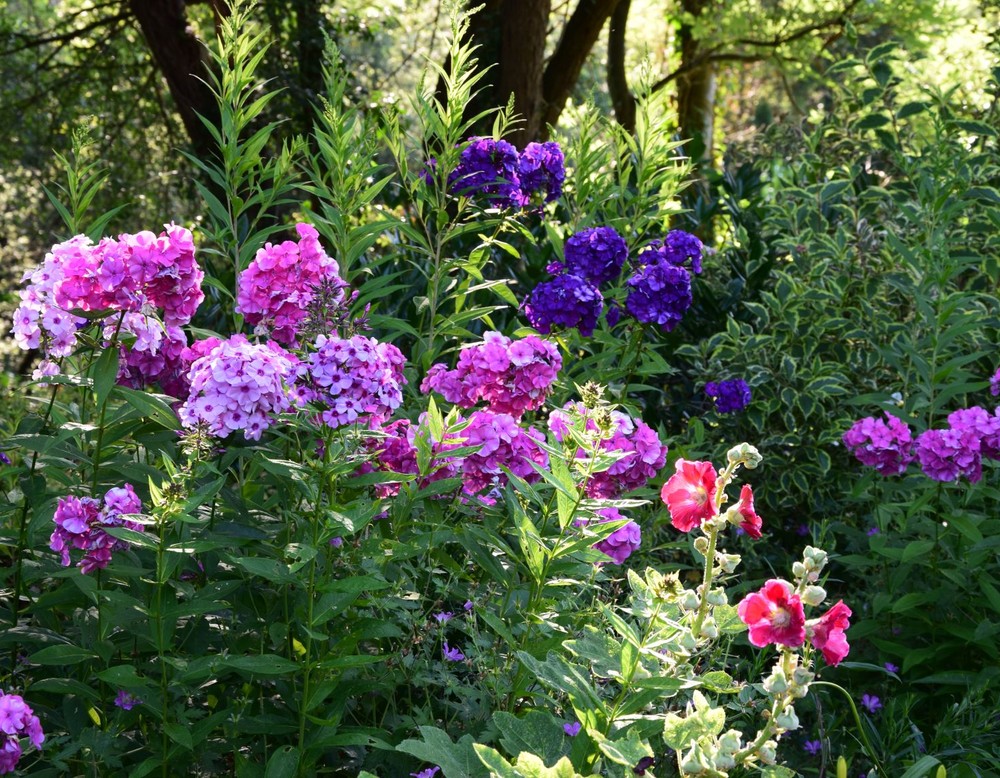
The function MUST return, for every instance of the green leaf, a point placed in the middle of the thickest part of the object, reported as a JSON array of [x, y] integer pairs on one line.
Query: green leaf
[[536, 731], [564, 677], [262, 664], [456, 760], [62, 655], [284, 763], [105, 375], [180, 734], [922, 767]]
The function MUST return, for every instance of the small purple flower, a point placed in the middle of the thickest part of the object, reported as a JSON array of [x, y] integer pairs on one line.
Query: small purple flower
[[568, 301], [620, 544], [126, 701], [572, 728], [871, 702], [489, 167], [802, 530], [643, 764], [995, 383], [872, 531], [679, 248], [468, 606], [430, 772], [4, 458], [891, 667], [443, 617], [452, 654], [885, 445], [730, 396], [336, 542], [813, 746]]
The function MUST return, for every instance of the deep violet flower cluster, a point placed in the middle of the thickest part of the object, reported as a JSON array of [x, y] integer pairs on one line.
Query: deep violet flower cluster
[[567, 300], [17, 720], [659, 291], [729, 396], [958, 450], [885, 445], [80, 523], [596, 254], [643, 454], [128, 275], [276, 289], [355, 378], [493, 169], [510, 376], [239, 385]]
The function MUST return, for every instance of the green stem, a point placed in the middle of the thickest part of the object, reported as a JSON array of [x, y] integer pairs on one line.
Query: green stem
[[857, 720]]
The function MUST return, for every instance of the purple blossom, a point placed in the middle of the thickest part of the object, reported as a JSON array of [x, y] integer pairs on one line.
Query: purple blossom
[[567, 300], [4, 458], [802, 530], [945, 455], [468, 606], [872, 531], [336, 542], [452, 654], [499, 443], [643, 764], [979, 423], [659, 293], [126, 701], [572, 728], [542, 166], [679, 248], [429, 772], [80, 523], [620, 544], [443, 617], [730, 396], [596, 254], [995, 383], [891, 667], [490, 168], [17, 720], [813, 746], [871, 702], [886, 445]]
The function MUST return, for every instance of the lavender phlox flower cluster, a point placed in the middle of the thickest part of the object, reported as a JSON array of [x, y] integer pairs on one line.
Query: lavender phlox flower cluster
[[499, 443], [886, 445], [17, 720], [134, 273], [510, 376], [489, 168], [620, 544], [678, 248], [567, 300], [542, 167], [729, 396], [355, 378], [276, 289], [642, 453], [240, 385], [597, 254], [659, 293], [80, 523], [947, 454]]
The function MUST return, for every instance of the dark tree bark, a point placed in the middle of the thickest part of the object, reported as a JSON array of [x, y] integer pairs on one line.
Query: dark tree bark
[[522, 54], [622, 99], [695, 91], [183, 61]]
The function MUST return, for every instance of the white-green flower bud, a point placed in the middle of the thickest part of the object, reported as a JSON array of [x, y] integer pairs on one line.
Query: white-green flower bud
[[709, 629], [802, 676], [696, 761], [688, 640], [768, 752], [689, 601], [701, 545], [813, 595], [724, 762], [717, 597], [744, 454], [815, 558], [729, 562], [776, 682], [798, 570], [787, 719], [731, 742]]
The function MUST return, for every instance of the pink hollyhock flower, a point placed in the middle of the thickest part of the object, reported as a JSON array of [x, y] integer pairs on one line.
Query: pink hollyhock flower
[[774, 615], [827, 633], [751, 523], [690, 494]]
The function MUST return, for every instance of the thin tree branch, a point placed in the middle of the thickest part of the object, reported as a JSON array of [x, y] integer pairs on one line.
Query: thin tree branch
[[70, 35]]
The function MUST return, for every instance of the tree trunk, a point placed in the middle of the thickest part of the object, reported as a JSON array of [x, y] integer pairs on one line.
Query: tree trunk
[[183, 61], [622, 98], [695, 93], [524, 24]]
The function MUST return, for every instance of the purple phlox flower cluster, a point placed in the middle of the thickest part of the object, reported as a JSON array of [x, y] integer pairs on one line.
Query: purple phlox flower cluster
[[397, 453], [679, 248], [429, 772], [17, 720], [126, 701], [871, 702], [729, 396], [452, 654], [355, 378], [511, 376], [958, 450], [659, 293], [276, 289], [129, 274], [885, 445], [567, 300], [240, 385], [489, 168], [542, 168], [499, 443], [166, 366], [572, 728], [597, 254], [995, 383], [643, 453], [620, 544], [80, 523]]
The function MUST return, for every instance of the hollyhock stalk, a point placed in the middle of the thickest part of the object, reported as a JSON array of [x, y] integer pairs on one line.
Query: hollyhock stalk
[[712, 527]]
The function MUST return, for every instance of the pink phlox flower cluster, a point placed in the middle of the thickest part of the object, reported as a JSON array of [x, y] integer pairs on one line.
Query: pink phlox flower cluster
[[397, 453], [774, 615], [276, 289], [17, 720], [80, 523], [240, 385], [499, 443], [886, 445], [958, 450], [355, 378], [643, 453], [510, 376], [123, 275], [620, 544]]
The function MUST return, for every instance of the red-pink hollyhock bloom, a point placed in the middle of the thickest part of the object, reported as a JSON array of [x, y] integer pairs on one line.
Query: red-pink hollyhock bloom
[[774, 615], [751, 523], [690, 494], [827, 633]]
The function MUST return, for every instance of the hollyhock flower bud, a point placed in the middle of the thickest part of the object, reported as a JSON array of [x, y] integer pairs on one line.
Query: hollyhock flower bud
[[827, 633], [787, 719], [729, 562], [730, 742], [690, 494], [774, 615], [717, 597], [688, 640], [696, 761], [744, 454], [709, 629], [701, 545], [776, 682], [798, 570], [690, 600], [813, 596], [768, 752]]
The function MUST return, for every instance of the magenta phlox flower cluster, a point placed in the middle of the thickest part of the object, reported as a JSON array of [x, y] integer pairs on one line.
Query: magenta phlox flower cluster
[[948, 454], [240, 386], [620, 544], [886, 445], [500, 443], [167, 366], [276, 289], [131, 274], [995, 383], [597, 254], [17, 720], [643, 455], [510, 376], [397, 453], [355, 378], [80, 523], [542, 169], [566, 301]]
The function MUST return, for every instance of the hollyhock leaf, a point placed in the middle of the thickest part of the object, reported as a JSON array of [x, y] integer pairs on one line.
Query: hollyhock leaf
[[536, 732]]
